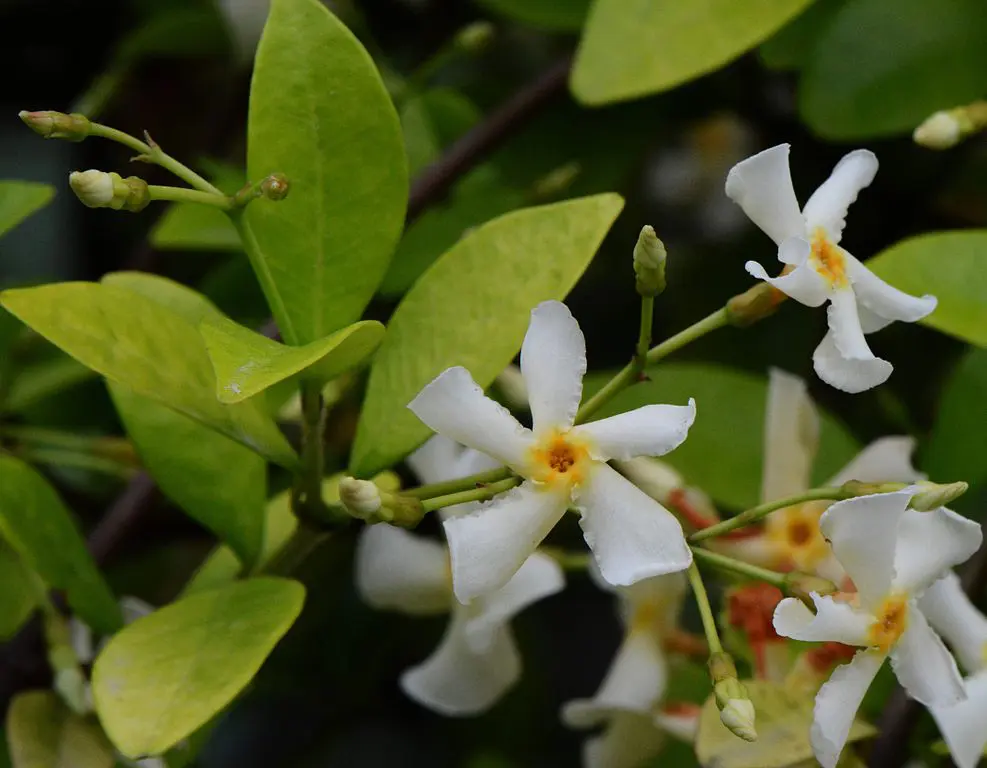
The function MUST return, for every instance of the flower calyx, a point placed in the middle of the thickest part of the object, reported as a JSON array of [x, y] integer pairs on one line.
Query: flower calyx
[[366, 501]]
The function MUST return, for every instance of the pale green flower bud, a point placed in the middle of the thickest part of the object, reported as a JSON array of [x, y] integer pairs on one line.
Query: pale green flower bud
[[98, 189], [736, 709], [649, 263], [738, 716], [57, 125], [474, 37], [360, 497], [933, 495], [947, 128]]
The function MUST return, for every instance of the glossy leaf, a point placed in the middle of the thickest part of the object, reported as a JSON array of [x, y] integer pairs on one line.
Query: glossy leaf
[[632, 49], [246, 363], [320, 114], [881, 68], [952, 266], [957, 445], [145, 345], [37, 525], [168, 673], [44, 733], [19, 199], [432, 120], [17, 597], [216, 480], [472, 308], [723, 454], [793, 45], [783, 723], [551, 15], [36, 382]]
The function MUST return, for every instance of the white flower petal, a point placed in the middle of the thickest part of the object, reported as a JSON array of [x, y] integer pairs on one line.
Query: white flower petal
[[957, 620], [837, 703], [964, 725], [652, 430], [631, 535], [397, 570], [762, 186], [929, 544], [635, 682], [862, 532], [539, 577], [885, 300], [661, 597], [844, 324], [848, 375], [488, 546], [453, 405], [794, 250], [832, 622], [629, 741], [803, 283], [455, 680], [827, 208], [886, 460], [553, 363], [869, 321], [435, 460], [791, 436], [923, 666]]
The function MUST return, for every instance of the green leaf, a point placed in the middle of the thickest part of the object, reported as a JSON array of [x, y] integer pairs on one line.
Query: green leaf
[[632, 48], [191, 226], [783, 723], [44, 733], [246, 363], [723, 454], [176, 32], [168, 673], [17, 598], [39, 527], [550, 15], [147, 346], [320, 114], [19, 199], [792, 45], [472, 308], [952, 266], [37, 382], [431, 121], [217, 481], [881, 68], [958, 443]]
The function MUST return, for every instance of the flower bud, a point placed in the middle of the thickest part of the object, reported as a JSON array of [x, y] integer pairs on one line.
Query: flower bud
[[736, 709], [754, 304], [933, 495], [57, 125], [474, 37], [275, 187], [369, 502], [98, 189], [360, 497], [738, 716], [512, 388], [940, 131], [649, 263]]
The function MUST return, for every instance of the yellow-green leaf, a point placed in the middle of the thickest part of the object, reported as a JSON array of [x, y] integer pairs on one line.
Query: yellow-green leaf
[[472, 308], [43, 733], [19, 199], [246, 363], [551, 15], [319, 113], [631, 48], [952, 266], [17, 597], [165, 675], [39, 527]]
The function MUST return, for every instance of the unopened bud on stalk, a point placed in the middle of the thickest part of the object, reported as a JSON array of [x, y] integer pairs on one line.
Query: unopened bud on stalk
[[649, 263], [98, 189], [57, 125], [754, 304], [474, 37], [360, 497], [933, 495], [736, 709], [275, 187], [367, 501], [948, 128]]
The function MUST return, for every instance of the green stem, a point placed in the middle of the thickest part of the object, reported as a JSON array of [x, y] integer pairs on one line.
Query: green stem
[[644, 335], [58, 457], [756, 513], [182, 195], [307, 493], [303, 542], [152, 153], [462, 484], [741, 568], [705, 611], [102, 445], [477, 494], [630, 373]]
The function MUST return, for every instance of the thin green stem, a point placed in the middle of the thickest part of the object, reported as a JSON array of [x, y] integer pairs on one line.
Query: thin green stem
[[152, 153], [477, 494], [740, 568], [59, 457], [754, 514], [307, 494], [630, 373], [705, 611], [462, 484], [644, 335], [183, 195]]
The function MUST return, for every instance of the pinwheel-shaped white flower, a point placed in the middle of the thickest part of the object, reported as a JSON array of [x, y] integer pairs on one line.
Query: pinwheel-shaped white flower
[[808, 242], [892, 554], [631, 535], [627, 701], [963, 725], [791, 537]]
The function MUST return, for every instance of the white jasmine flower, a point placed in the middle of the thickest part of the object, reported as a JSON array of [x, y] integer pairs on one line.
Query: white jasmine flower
[[892, 554], [963, 725], [790, 537], [821, 271], [632, 536], [477, 660], [628, 699]]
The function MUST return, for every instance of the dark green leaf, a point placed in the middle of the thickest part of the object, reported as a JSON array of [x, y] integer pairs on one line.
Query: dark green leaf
[[19, 199]]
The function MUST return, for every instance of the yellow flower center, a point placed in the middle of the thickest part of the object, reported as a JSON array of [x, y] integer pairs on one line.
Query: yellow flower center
[[828, 260], [795, 532], [560, 458], [890, 621]]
